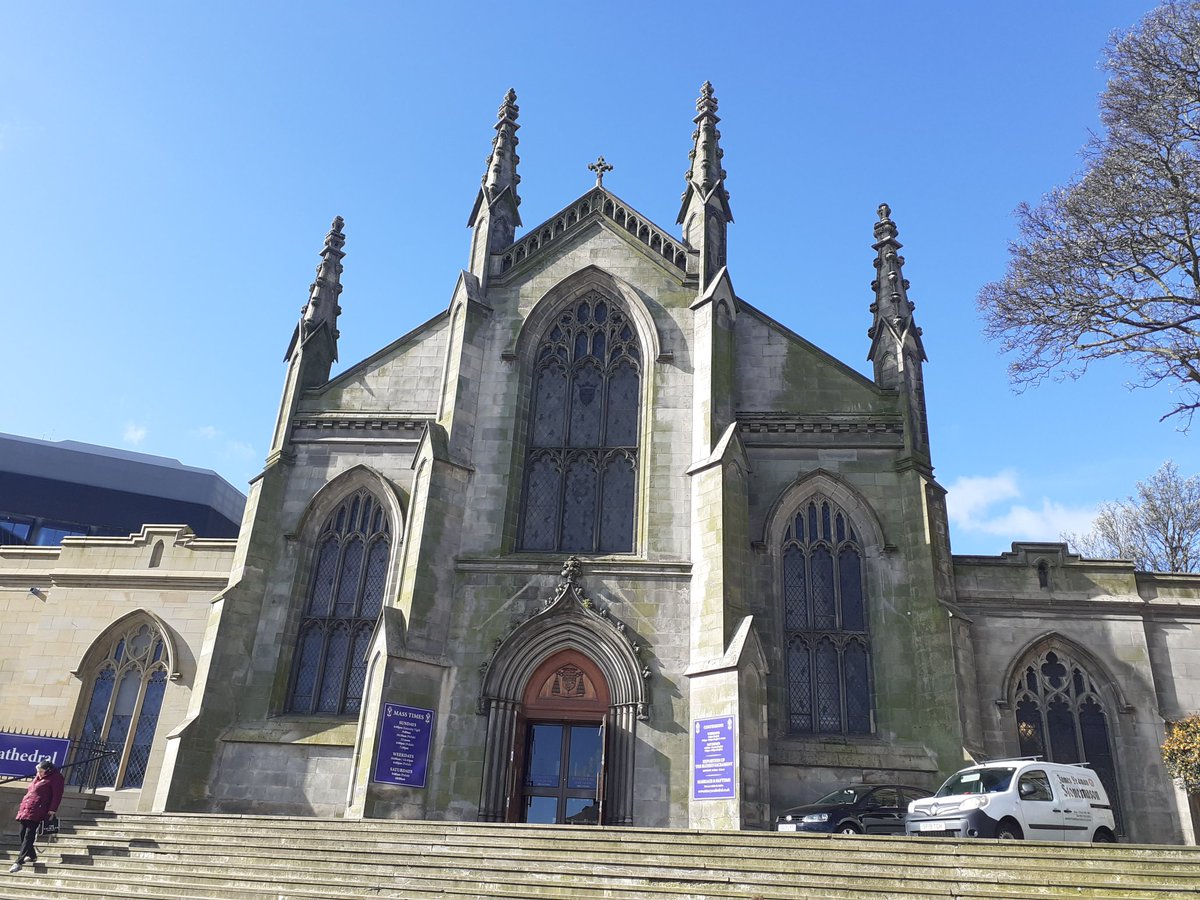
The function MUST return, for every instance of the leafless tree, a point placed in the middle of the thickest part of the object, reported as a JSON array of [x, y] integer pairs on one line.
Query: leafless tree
[[1158, 528], [1109, 266]]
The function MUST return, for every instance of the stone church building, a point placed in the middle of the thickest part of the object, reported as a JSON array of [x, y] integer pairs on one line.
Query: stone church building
[[600, 543]]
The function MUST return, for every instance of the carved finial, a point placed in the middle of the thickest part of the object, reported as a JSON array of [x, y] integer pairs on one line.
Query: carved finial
[[571, 570], [322, 304], [706, 156], [599, 167], [705, 173], [885, 228], [322, 310], [336, 239], [892, 310], [501, 170]]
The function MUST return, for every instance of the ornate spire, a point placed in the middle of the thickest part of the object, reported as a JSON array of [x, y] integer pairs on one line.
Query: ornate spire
[[892, 308], [502, 163], [495, 217], [321, 311], [322, 307], [706, 172], [704, 212], [896, 347]]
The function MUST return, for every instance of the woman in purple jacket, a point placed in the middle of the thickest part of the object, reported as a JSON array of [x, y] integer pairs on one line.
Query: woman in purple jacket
[[39, 803]]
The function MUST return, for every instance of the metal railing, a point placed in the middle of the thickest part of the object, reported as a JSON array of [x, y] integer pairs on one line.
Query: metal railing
[[91, 761]]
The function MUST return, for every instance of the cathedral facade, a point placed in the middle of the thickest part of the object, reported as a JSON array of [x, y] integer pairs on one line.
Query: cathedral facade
[[604, 543]]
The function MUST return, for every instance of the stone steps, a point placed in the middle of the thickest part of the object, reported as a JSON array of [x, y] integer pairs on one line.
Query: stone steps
[[220, 857], [814, 863]]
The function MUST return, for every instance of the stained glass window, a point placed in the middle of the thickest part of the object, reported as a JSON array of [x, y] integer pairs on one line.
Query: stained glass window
[[344, 599], [825, 623], [121, 716], [581, 468], [1060, 716]]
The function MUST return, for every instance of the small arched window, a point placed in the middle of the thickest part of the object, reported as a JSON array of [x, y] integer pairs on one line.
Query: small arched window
[[828, 656], [345, 594], [582, 457], [1061, 716], [127, 688]]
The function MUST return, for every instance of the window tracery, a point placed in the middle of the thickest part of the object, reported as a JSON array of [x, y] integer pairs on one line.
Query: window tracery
[[1061, 716], [345, 595], [828, 657], [582, 455], [127, 688]]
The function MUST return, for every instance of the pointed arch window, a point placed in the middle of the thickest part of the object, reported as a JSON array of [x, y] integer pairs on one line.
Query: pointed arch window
[[1061, 716], [828, 654], [121, 715], [582, 457], [345, 595]]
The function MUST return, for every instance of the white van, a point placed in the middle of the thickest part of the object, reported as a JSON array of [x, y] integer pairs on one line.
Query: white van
[[1015, 799]]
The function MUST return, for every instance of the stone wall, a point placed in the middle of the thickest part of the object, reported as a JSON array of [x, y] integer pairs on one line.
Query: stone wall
[[82, 589], [1134, 632]]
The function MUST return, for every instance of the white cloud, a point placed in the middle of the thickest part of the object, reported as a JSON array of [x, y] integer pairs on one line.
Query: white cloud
[[971, 496], [978, 504], [206, 432], [239, 449], [134, 434]]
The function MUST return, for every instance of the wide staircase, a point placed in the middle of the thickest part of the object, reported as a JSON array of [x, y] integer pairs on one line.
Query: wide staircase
[[198, 857]]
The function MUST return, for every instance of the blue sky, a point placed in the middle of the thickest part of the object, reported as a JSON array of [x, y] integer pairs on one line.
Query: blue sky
[[168, 172]]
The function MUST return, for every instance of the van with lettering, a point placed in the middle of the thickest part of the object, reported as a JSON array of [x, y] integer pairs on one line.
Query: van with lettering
[[1015, 799]]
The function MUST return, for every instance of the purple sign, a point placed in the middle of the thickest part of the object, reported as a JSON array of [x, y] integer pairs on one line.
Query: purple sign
[[713, 746], [20, 753], [404, 735]]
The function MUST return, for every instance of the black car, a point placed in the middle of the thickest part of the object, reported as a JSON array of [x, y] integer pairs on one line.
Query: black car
[[854, 809]]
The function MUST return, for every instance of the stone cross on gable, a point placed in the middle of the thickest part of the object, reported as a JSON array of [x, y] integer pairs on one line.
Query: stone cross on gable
[[599, 167]]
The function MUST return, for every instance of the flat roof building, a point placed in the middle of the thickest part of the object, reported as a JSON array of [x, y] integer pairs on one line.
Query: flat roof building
[[54, 489]]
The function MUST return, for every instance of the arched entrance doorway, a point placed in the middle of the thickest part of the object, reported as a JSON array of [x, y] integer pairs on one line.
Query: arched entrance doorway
[[562, 743], [574, 668]]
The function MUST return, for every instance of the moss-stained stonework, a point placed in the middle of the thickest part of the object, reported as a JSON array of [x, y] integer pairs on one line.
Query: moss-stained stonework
[[741, 422]]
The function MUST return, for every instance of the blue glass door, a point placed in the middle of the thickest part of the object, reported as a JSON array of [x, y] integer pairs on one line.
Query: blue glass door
[[562, 780]]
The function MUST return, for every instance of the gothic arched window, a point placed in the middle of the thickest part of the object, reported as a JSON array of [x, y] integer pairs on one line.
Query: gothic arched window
[[1061, 716], [582, 450], [345, 595], [127, 688], [828, 654]]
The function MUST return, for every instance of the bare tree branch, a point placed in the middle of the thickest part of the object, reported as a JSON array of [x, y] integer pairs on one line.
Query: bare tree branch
[[1110, 264], [1158, 527]]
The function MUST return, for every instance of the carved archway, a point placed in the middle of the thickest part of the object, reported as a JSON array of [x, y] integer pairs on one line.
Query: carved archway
[[570, 630]]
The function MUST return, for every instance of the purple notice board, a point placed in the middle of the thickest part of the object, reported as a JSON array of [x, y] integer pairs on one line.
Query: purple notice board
[[404, 735], [20, 753], [713, 748]]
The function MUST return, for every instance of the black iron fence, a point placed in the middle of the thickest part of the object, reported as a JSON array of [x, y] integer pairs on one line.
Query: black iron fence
[[90, 763]]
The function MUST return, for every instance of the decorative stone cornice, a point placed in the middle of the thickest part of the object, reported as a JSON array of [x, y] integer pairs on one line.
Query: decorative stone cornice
[[402, 427], [529, 564], [132, 580], [790, 423]]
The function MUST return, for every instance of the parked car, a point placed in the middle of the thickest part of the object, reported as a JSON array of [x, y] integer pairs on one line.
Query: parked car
[[1018, 798], [854, 809]]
